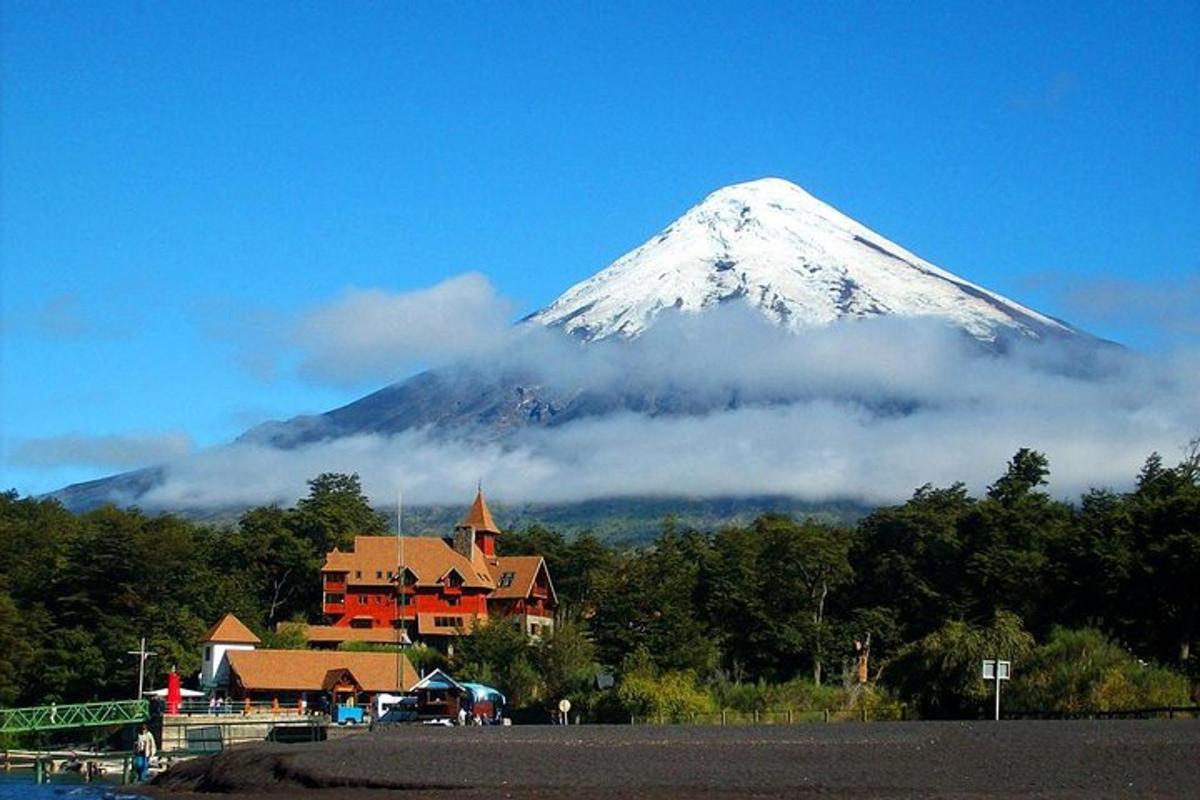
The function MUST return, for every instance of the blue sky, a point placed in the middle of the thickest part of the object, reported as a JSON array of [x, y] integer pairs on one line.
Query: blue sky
[[181, 180]]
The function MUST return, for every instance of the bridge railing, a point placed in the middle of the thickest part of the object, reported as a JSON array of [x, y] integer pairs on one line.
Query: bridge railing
[[77, 715]]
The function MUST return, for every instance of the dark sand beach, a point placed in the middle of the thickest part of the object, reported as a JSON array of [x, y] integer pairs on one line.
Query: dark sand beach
[[1075, 759]]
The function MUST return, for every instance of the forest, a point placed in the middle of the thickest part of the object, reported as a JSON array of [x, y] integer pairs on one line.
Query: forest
[[1094, 601]]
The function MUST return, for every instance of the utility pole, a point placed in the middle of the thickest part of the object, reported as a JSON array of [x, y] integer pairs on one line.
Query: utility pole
[[142, 655]]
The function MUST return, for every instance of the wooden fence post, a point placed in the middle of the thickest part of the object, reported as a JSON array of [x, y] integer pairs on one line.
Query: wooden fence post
[[827, 715], [722, 716]]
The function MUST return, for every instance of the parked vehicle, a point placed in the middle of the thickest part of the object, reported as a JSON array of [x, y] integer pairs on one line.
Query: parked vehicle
[[347, 715]]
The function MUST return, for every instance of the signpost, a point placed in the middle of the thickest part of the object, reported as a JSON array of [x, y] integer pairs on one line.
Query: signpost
[[996, 670]]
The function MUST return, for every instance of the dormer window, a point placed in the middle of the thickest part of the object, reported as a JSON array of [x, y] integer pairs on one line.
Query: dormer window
[[506, 579]]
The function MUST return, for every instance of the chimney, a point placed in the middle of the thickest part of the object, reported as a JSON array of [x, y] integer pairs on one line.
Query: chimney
[[464, 540]]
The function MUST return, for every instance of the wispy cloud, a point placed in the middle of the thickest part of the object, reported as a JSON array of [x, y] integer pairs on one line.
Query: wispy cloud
[[1168, 305], [368, 336], [60, 317], [113, 452], [1052, 94]]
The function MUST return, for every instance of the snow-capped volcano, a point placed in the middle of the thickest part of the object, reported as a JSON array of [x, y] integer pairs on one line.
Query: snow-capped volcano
[[799, 261]]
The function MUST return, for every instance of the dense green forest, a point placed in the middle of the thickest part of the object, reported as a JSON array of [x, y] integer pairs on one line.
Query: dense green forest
[[1096, 602]]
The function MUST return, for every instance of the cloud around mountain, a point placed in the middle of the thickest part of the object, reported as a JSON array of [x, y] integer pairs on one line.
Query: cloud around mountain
[[370, 334], [865, 410]]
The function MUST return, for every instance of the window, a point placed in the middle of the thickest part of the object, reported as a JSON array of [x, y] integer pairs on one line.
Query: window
[[447, 622], [451, 601], [378, 574], [506, 579], [208, 653], [534, 629], [358, 573], [362, 599]]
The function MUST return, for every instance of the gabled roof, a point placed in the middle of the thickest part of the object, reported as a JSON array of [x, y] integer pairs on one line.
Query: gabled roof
[[230, 630], [428, 558], [306, 670], [480, 516], [437, 680], [525, 570]]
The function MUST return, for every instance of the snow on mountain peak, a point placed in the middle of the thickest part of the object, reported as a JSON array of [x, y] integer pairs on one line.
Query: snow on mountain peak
[[799, 261]]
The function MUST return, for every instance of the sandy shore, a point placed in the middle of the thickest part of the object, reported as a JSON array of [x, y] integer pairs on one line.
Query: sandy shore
[[1078, 759]]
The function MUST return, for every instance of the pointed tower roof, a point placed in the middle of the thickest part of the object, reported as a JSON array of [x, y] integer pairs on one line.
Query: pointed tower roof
[[480, 516], [231, 630]]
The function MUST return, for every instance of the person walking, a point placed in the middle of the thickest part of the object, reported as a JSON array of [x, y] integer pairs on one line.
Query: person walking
[[144, 748]]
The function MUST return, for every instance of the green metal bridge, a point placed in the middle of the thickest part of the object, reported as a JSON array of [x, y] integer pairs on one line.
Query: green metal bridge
[[80, 715]]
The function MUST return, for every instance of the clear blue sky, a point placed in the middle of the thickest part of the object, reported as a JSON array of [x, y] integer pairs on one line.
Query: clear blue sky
[[178, 177]]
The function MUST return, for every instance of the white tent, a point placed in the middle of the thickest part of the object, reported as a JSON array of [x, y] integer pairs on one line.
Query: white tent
[[182, 693]]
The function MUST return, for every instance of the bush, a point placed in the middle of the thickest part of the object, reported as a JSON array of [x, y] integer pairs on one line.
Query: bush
[[645, 692], [940, 673], [1080, 670]]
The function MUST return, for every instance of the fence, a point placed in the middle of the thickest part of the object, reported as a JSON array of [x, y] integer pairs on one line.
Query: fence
[[1162, 712], [884, 713], [236, 708], [181, 737]]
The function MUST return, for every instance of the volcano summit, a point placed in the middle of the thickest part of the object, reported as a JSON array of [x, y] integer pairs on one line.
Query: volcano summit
[[799, 261]]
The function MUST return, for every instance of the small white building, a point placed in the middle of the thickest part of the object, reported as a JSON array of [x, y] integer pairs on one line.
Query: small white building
[[228, 634]]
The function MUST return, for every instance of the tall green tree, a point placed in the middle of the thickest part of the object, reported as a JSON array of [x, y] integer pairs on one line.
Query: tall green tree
[[335, 511]]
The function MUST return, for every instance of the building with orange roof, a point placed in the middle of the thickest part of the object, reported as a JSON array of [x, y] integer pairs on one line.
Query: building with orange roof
[[431, 588], [228, 635]]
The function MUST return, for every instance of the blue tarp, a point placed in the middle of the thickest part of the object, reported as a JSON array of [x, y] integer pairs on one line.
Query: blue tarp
[[479, 692]]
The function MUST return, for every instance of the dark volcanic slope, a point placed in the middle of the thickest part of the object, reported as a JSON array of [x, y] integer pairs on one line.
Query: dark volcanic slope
[[1080, 759]]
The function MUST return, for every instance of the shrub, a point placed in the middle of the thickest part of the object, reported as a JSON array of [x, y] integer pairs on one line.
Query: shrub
[[1080, 670], [940, 673]]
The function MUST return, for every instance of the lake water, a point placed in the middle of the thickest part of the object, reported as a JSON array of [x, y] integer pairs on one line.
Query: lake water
[[19, 785]]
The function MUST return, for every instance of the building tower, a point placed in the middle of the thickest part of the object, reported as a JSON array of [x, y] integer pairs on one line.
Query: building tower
[[477, 529]]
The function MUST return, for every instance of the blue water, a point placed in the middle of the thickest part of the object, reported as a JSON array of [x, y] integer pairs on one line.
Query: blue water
[[19, 785]]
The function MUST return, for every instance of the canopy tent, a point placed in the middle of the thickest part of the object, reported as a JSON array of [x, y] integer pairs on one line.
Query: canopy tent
[[163, 693], [482, 693]]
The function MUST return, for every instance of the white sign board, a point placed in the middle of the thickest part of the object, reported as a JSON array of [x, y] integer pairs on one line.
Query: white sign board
[[564, 705], [990, 668]]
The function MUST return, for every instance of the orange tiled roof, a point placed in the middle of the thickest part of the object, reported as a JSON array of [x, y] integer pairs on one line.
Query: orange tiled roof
[[480, 516], [232, 630], [524, 570], [427, 557], [326, 634], [305, 670]]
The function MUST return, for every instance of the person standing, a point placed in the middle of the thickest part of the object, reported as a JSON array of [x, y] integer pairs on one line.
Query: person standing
[[144, 748]]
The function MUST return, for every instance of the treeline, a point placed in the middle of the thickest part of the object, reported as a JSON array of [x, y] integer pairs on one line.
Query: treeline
[[1085, 598], [1096, 602], [77, 591]]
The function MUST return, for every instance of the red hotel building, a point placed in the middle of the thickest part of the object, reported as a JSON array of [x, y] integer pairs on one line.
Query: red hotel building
[[431, 587]]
